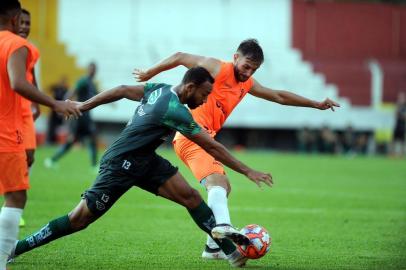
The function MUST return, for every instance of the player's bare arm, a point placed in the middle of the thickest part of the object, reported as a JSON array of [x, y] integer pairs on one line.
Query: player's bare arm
[[16, 67], [132, 92], [36, 111], [289, 98], [220, 153], [179, 59]]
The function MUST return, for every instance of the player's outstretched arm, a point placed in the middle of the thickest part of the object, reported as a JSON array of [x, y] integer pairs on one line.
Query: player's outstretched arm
[[289, 98], [220, 153], [132, 92], [179, 59], [16, 67]]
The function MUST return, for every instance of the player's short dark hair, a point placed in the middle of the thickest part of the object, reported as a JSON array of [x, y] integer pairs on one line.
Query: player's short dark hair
[[251, 49], [198, 76], [8, 6], [25, 11]]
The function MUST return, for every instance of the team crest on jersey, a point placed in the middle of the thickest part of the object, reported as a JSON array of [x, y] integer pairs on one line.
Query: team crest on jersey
[[154, 96]]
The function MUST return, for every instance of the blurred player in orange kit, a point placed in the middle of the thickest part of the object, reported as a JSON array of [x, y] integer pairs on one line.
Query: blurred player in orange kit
[[233, 80]]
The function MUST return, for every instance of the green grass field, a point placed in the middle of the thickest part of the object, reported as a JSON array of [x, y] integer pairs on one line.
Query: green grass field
[[323, 212]]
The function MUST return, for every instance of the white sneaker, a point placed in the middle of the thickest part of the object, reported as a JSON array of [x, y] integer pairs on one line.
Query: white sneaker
[[213, 254], [236, 259], [222, 231]]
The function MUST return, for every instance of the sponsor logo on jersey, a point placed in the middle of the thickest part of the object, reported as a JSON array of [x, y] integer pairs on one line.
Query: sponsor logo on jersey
[[140, 111], [154, 96]]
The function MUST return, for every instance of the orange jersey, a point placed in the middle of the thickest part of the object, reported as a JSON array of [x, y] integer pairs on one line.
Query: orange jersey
[[226, 94], [30, 77], [11, 139]]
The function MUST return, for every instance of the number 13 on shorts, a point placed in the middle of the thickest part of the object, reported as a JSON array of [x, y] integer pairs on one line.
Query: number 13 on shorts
[[126, 164]]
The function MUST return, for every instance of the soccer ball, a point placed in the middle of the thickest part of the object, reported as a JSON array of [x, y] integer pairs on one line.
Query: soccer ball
[[260, 241]]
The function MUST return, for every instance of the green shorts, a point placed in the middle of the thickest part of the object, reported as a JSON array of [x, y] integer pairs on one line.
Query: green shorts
[[119, 174]]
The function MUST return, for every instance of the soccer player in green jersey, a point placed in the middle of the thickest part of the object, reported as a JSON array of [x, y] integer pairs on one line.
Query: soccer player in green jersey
[[132, 161]]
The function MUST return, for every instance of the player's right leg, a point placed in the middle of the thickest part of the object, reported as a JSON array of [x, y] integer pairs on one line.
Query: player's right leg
[[13, 185], [78, 219], [97, 200]]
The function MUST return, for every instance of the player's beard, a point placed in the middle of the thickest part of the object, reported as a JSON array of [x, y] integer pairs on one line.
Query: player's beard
[[192, 104], [238, 76]]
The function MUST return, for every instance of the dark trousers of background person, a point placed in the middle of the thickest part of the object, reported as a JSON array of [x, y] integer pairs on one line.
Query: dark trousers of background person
[[54, 122], [82, 130]]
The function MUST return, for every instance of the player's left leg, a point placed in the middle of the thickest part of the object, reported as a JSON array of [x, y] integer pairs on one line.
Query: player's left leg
[[30, 157], [78, 219], [30, 153], [30, 143], [178, 190]]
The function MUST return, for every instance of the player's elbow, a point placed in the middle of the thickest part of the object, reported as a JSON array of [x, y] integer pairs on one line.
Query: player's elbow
[[178, 55], [121, 91], [278, 98], [17, 85], [178, 58]]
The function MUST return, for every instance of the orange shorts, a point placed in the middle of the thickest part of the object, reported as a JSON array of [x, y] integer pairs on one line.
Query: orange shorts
[[14, 172], [199, 161], [29, 139]]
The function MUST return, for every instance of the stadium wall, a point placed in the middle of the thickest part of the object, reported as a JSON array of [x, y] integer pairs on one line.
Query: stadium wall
[[339, 38]]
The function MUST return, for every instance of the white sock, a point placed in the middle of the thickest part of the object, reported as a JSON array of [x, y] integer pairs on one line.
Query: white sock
[[9, 221], [217, 201]]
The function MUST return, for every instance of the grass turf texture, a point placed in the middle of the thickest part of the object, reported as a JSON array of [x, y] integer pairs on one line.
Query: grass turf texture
[[323, 212]]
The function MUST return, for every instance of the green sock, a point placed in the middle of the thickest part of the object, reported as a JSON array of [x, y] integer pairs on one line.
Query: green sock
[[53, 230], [204, 218]]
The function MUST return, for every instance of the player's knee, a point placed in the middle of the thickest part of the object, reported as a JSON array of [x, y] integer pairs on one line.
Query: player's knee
[[193, 199], [80, 218], [16, 199], [79, 222], [218, 181]]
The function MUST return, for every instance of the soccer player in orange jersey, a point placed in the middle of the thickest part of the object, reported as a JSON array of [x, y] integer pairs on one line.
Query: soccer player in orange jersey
[[31, 111], [233, 80], [15, 59]]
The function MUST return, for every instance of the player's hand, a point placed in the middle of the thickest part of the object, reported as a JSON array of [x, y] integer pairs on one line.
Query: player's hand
[[327, 104], [67, 108], [259, 177], [78, 104], [141, 75]]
